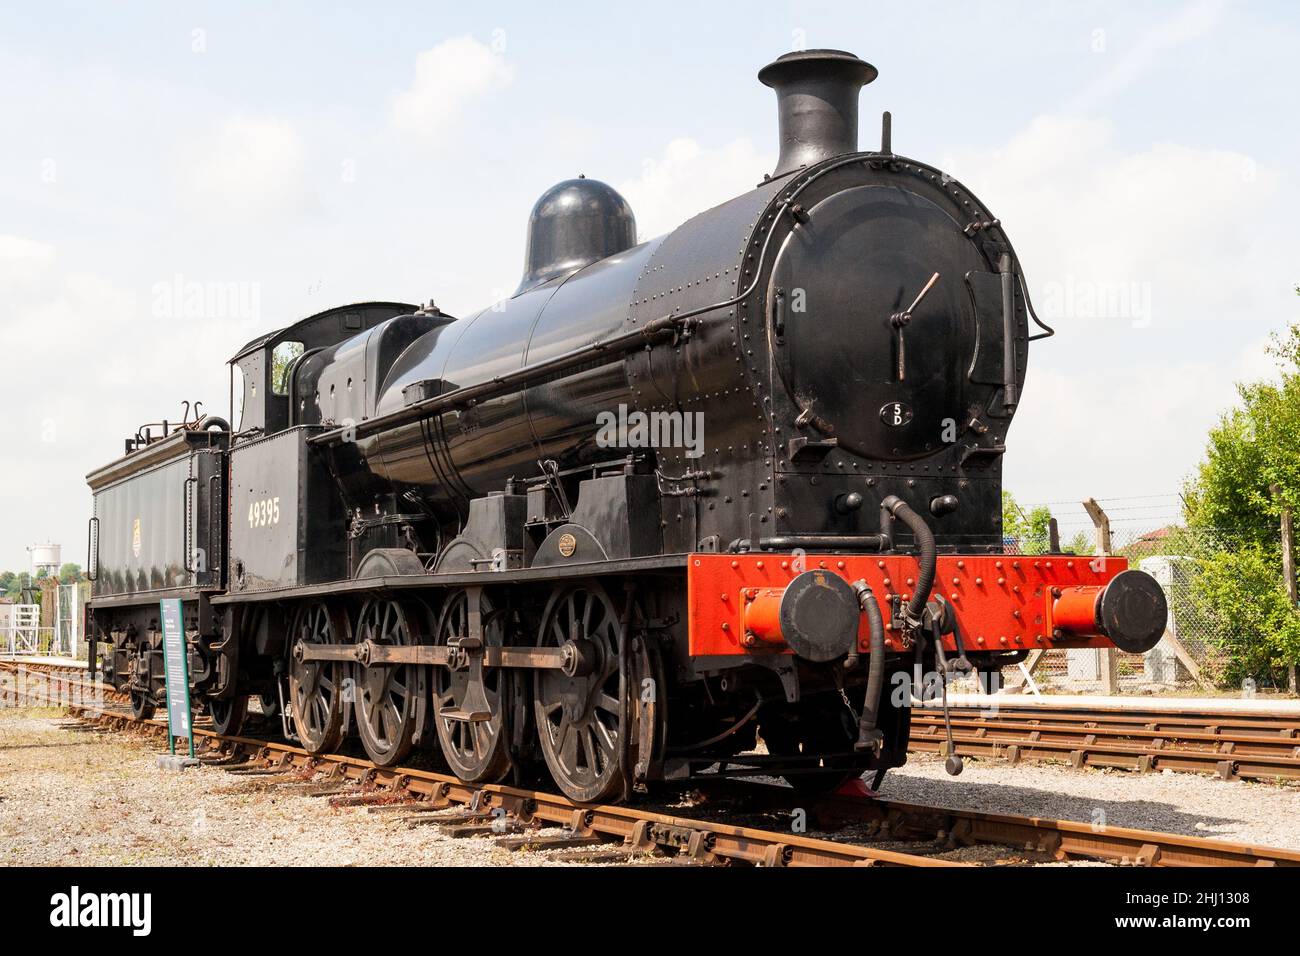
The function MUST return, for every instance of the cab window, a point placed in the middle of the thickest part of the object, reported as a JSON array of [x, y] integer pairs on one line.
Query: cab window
[[282, 359]]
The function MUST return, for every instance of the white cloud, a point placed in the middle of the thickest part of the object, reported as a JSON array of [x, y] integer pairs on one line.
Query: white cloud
[[27, 276], [18, 248], [1139, 258], [1118, 432], [689, 178], [249, 168], [447, 78], [97, 362], [22, 262], [1188, 230]]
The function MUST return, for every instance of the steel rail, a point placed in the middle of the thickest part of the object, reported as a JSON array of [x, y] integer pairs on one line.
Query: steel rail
[[1276, 744], [698, 840], [63, 676], [716, 842], [1209, 718], [1204, 743], [1067, 839], [1062, 840]]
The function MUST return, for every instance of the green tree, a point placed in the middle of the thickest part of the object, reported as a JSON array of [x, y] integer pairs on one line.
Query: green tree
[[1028, 529], [69, 573], [1081, 543], [13, 583], [1230, 508], [1235, 597]]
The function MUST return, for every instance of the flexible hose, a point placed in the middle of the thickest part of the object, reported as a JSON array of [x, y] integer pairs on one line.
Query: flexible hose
[[869, 736], [901, 510]]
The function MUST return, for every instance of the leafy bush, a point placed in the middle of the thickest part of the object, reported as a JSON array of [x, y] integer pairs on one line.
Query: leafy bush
[[1250, 473], [1238, 600]]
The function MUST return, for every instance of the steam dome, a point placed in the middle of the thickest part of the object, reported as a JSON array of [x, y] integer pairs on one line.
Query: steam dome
[[574, 224]]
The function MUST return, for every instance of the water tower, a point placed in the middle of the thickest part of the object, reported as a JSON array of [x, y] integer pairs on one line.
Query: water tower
[[46, 560]]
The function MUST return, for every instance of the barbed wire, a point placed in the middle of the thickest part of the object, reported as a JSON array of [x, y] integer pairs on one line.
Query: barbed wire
[[1079, 501]]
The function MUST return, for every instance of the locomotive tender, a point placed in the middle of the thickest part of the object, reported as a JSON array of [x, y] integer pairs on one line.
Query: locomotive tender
[[416, 533]]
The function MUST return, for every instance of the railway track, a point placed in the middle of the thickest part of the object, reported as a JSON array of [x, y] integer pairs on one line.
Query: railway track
[[868, 832], [70, 683], [1231, 745]]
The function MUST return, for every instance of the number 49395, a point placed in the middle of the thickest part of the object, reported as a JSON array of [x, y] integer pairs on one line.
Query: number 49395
[[263, 512]]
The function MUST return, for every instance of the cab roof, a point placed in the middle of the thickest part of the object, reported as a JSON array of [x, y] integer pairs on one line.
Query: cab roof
[[263, 341]]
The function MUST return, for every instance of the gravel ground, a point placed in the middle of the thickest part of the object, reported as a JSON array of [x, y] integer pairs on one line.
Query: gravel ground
[[63, 795], [1187, 803]]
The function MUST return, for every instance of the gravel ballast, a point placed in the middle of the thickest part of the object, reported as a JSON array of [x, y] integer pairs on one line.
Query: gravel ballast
[[1187, 803], [74, 798], [78, 798]]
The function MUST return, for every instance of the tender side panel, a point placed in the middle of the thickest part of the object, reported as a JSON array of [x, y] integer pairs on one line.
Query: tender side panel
[[141, 532], [1003, 602]]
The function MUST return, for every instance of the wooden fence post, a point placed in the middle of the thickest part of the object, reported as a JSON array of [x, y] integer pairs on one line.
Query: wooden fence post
[[1288, 570], [1109, 662]]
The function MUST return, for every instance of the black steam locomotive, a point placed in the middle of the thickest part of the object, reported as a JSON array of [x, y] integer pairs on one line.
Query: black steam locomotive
[[668, 500]]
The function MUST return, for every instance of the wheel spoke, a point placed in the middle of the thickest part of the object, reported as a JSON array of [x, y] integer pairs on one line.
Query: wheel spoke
[[607, 737], [396, 687], [392, 722], [589, 750], [561, 737]]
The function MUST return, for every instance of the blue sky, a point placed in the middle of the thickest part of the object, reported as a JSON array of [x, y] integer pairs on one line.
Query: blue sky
[[1143, 158]]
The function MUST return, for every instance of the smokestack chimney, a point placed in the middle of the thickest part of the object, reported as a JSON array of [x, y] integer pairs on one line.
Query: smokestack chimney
[[817, 104]]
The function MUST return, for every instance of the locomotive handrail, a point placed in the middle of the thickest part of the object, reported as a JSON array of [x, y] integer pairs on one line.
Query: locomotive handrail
[[92, 549], [614, 347], [187, 556], [214, 557]]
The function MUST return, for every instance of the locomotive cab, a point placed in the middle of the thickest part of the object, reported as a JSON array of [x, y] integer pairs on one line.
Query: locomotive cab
[[267, 366]]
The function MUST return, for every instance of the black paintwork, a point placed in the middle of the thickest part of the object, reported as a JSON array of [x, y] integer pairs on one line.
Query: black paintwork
[[575, 223], [160, 516], [263, 409], [1132, 611], [287, 525], [413, 453], [791, 359], [817, 104]]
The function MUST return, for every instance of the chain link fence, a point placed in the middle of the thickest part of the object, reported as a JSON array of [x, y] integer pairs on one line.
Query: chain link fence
[[1231, 630]]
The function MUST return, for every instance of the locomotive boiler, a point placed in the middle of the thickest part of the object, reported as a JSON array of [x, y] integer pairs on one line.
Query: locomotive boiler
[[701, 504]]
